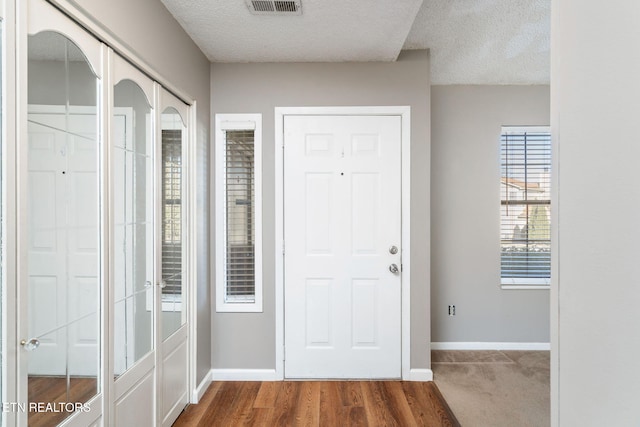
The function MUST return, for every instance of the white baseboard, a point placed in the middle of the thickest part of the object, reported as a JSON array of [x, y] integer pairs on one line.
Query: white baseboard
[[244, 375], [202, 388], [490, 346], [419, 375], [271, 375]]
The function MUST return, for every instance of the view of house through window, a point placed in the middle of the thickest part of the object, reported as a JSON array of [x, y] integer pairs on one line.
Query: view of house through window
[[525, 220]]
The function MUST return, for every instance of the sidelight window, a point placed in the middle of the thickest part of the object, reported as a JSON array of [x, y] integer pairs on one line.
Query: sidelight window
[[238, 213]]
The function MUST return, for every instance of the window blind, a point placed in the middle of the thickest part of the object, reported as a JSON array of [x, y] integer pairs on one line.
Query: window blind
[[172, 211], [525, 186], [239, 258]]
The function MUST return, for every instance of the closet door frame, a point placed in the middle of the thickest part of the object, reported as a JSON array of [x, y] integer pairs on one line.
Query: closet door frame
[[10, 350]]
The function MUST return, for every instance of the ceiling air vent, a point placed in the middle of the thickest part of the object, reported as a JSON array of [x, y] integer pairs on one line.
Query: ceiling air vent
[[275, 7]]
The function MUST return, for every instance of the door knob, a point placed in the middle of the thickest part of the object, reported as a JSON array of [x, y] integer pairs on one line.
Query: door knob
[[30, 345], [394, 268]]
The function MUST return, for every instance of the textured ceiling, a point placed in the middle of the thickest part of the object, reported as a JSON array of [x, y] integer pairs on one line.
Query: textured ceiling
[[327, 30], [471, 41], [484, 41]]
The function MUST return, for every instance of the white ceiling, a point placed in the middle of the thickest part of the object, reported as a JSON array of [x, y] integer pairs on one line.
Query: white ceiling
[[471, 41], [485, 41]]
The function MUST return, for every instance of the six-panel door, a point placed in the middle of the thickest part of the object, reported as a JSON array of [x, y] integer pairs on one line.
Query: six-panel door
[[342, 215]]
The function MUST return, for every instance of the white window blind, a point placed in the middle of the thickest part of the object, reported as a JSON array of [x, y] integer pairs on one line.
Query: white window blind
[[239, 207], [238, 213], [525, 225]]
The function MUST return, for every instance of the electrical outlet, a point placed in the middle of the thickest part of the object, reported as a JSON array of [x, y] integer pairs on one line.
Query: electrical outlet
[[452, 310]]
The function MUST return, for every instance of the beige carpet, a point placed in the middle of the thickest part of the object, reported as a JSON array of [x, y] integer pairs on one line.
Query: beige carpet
[[495, 388]]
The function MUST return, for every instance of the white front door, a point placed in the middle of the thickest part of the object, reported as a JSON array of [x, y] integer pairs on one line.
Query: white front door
[[63, 273], [342, 216]]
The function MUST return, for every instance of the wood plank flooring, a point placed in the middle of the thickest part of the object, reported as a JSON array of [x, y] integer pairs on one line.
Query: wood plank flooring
[[320, 403], [54, 390]]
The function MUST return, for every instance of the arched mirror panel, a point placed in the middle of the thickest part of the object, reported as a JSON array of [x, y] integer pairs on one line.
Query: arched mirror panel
[[133, 228], [123, 70], [173, 225], [47, 18], [168, 100], [63, 242]]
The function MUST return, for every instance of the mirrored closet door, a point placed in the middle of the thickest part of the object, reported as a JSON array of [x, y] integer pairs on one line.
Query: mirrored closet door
[[173, 330], [133, 249], [102, 210], [62, 323]]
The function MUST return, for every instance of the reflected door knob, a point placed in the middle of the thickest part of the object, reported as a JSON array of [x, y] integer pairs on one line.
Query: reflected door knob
[[30, 345], [394, 268]]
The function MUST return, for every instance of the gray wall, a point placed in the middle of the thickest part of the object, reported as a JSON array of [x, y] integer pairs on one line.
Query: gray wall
[[247, 340], [149, 30], [595, 111], [465, 215]]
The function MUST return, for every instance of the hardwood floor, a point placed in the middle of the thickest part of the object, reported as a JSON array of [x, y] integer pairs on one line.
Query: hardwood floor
[[54, 390], [320, 403]]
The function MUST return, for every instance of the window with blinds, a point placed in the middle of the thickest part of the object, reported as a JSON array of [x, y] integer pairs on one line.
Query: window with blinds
[[172, 211], [239, 210], [238, 213], [525, 220]]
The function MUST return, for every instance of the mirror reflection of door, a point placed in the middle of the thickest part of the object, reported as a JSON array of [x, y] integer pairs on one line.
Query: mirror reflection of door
[[133, 266], [63, 223], [133, 225]]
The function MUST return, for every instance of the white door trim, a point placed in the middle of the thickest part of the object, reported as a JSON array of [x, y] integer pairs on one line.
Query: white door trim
[[11, 113], [405, 113]]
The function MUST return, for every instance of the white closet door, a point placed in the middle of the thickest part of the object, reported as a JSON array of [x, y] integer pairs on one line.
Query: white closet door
[[172, 296], [61, 282], [133, 272]]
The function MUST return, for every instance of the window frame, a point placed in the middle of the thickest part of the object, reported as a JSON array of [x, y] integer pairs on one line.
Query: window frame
[[524, 283], [224, 123]]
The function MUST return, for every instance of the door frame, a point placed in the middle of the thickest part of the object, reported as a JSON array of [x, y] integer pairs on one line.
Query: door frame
[[9, 140], [404, 112]]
